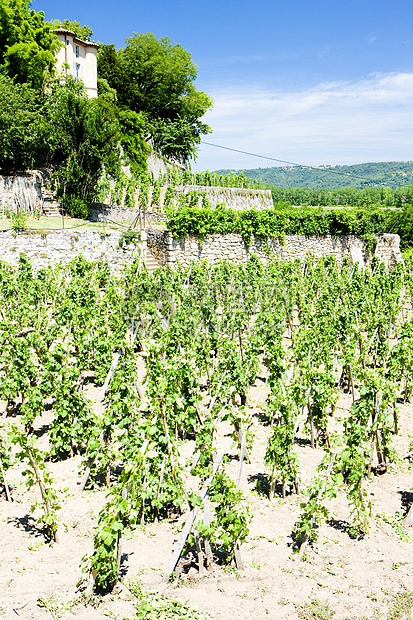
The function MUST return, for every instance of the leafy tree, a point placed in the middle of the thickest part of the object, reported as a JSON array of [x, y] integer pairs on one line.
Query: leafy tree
[[84, 135], [177, 139], [27, 43], [136, 149], [22, 126], [405, 227], [156, 78], [82, 32]]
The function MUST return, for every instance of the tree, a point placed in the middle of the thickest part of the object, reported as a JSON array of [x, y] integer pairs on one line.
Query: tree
[[135, 148], [156, 78], [22, 127], [27, 43], [84, 136], [82, 32]]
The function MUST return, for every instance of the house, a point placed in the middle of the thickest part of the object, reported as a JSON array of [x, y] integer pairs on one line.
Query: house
[[78, 58]]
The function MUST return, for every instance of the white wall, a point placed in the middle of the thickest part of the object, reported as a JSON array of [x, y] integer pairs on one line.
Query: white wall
[[86, 61]]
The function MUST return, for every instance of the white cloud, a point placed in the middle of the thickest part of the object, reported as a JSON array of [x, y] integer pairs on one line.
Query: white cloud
[[332, 123]]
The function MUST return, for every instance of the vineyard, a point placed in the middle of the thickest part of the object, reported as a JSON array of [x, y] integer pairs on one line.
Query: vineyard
[[159, 194], [236, 436]]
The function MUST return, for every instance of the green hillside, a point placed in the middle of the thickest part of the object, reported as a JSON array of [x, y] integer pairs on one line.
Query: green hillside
[[373, 174]]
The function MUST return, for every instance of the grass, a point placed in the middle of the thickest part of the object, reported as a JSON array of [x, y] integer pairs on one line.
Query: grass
[[45, 224]]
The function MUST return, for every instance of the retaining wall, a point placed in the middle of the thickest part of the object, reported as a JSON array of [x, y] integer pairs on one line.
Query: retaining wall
[[101, 212], [53, 247], [61, 246], [24, 191], [232, 247], [237, 198]]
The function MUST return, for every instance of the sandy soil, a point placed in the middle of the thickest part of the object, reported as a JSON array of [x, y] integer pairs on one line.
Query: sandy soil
[[355, 578]]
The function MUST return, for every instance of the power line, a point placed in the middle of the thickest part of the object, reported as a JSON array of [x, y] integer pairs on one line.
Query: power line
[[291, 163]]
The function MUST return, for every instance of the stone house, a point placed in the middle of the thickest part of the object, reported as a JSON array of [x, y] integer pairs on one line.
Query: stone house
[[78, 58]]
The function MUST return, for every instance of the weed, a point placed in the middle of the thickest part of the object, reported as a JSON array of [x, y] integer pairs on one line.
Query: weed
[[401, 605], [19, 221], [152, 606], [57, 609], [315, 610], [395, 521]]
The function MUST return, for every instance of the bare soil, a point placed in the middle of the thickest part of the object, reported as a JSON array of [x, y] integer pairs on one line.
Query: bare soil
[[354, 578]]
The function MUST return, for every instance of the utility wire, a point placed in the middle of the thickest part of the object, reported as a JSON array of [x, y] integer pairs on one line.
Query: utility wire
[[291, 163]]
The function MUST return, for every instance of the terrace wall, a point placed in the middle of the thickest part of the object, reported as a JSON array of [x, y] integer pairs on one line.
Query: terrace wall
[[49, 248], [214, 248], [61, 246]]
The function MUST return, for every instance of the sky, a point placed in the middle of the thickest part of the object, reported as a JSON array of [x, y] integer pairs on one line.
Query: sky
[[302, 81]]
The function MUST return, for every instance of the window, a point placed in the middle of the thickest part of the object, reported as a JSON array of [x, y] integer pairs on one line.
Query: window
[[77, 51], [77, 70]]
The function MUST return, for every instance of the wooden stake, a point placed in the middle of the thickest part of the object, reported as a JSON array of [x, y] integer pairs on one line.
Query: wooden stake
[[306, 538], [6, 486], [350, 370], [189, 523], [45, 500], [199, 553], [207, 545], [237, 551]]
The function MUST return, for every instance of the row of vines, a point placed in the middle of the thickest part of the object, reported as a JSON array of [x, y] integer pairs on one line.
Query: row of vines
[[206, 335], [157, 194]]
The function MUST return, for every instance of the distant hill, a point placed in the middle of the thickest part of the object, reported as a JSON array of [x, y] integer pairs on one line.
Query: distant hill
[[388, 174]]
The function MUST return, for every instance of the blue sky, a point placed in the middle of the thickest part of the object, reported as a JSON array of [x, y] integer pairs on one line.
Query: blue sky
[[326, 82]]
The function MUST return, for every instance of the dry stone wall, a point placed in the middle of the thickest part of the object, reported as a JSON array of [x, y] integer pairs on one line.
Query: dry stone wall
[[24, 190], [50, 248], [101, 212], [53, 247], [159, 165], [214, 248], [237, 198]]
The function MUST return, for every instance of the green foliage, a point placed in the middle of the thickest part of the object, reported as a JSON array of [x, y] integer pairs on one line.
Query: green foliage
[[177, 139], [36, 473], [313, 510], [156, 78], [315, 610], [281, 456], [133, 131], [27, 44], [299, 184], [19, 220], [401, 605], [204, 333], [22, 127], [232, 517], [152, 606], [187, 220], [404, 226], [82, 32], [85, 138]]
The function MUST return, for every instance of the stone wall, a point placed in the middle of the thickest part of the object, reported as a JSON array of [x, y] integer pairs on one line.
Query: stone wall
[[62, 246], [236, 198], [24, 191], [101, 212], [231, 247], [159, 165]]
